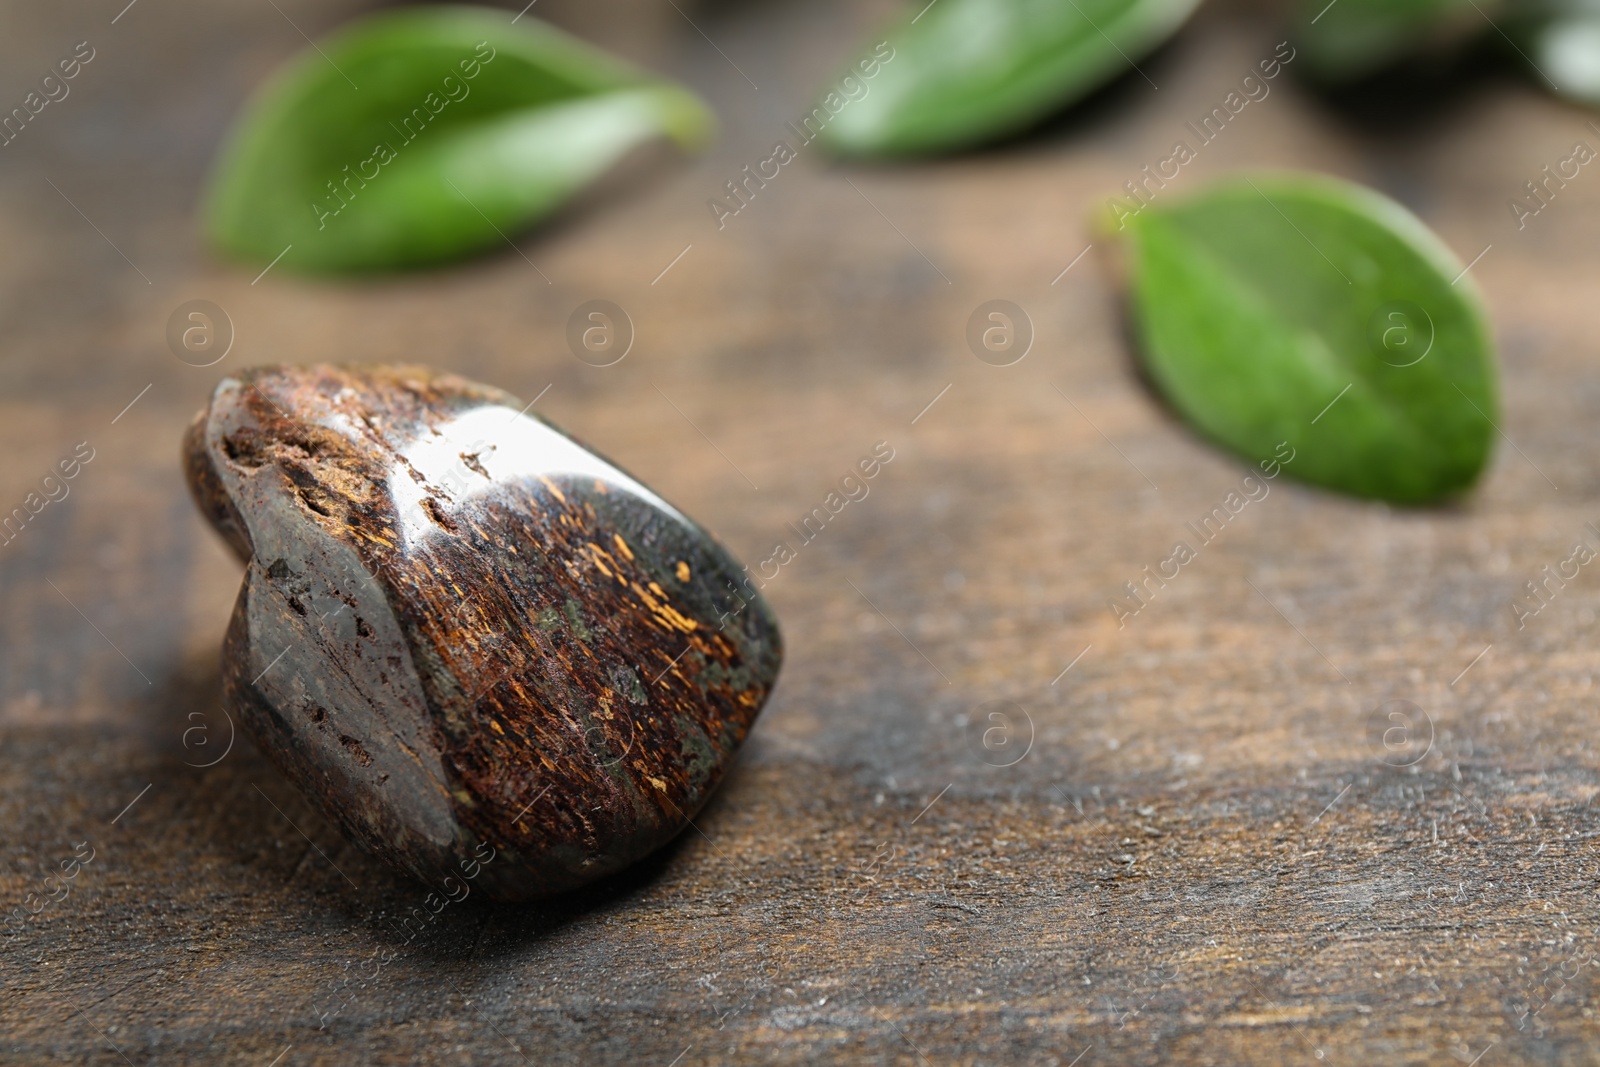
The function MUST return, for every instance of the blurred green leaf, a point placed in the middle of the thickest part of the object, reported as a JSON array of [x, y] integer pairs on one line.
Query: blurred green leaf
[[425, 134], [1346, 40], [1560, 41], [963, 72], [1299, 309]]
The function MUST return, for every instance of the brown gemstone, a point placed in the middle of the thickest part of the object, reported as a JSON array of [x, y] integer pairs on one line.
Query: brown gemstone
[[484, 650]]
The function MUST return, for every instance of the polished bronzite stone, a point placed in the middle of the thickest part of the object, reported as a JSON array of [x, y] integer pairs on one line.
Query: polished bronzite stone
[[479, 646]]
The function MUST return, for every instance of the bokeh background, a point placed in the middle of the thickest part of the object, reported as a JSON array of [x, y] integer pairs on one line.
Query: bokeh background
[[1195, 838]]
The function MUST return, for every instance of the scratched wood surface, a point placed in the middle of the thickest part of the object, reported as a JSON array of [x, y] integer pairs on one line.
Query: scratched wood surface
[[1208, 841]]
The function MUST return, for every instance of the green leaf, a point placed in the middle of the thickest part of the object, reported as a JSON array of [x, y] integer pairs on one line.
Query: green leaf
[[1316, 313], [426, 134], [962, 72], [1560, 41], [1351, 39]]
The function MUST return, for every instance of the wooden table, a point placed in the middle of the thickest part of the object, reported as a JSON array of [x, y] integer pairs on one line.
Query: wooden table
[[1219, 848]]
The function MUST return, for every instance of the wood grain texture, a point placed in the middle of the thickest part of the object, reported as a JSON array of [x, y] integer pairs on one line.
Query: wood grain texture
[[1209, 854]]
